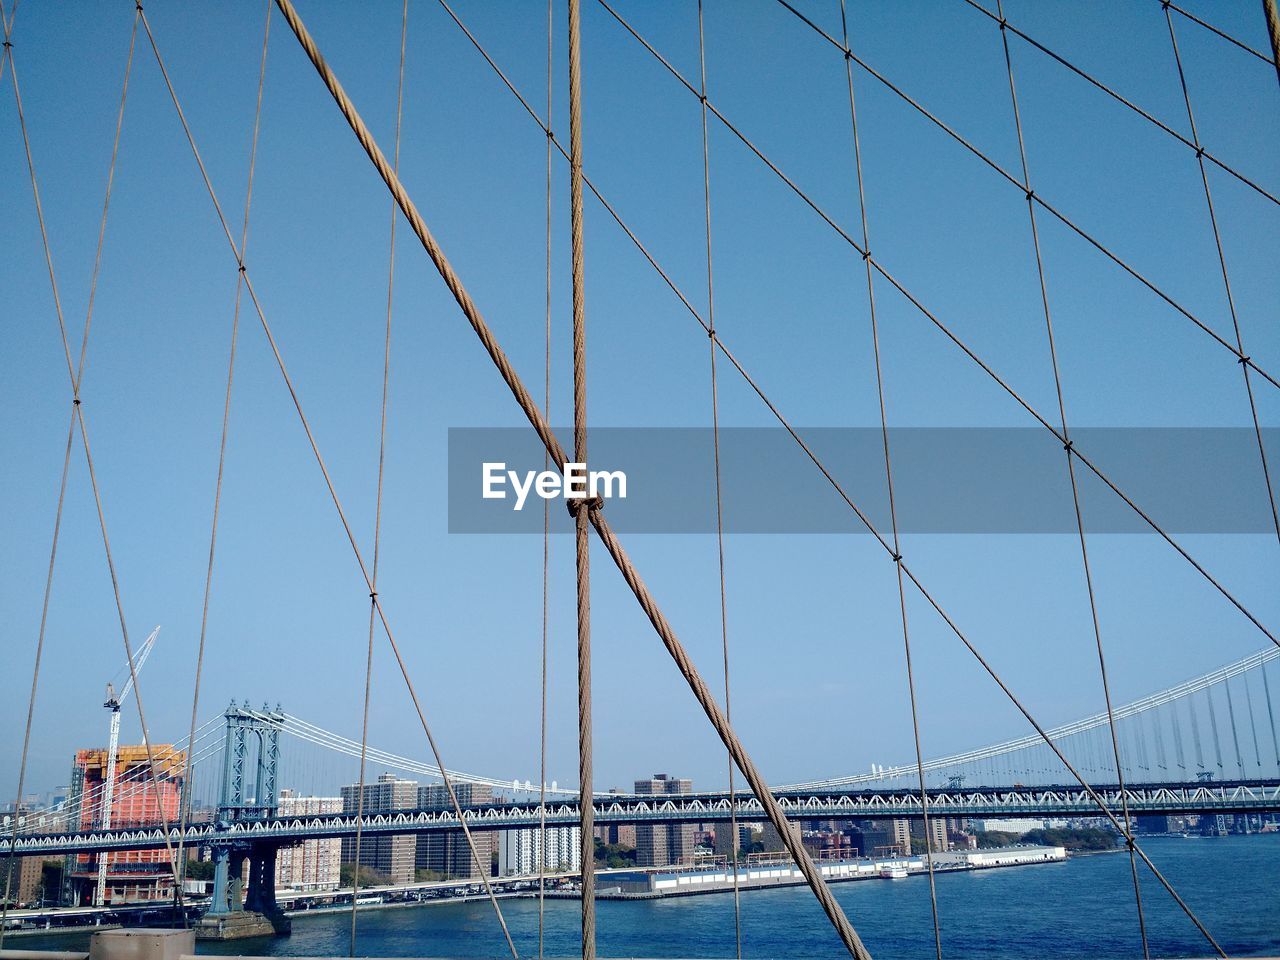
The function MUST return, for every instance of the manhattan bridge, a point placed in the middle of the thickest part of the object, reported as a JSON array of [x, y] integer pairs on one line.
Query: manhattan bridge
[[1208, 746]]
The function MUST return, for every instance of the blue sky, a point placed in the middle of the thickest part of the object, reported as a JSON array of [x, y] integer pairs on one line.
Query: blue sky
[[815, 643]]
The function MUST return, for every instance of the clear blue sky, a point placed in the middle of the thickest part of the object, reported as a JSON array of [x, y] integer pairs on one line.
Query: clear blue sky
[[816, 650]]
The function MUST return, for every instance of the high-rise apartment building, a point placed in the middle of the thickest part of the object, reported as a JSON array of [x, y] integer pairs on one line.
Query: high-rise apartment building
[[393, 856], [447, 853], [140, 797], [661, 844], [938, 839], [519, 851], [314, 864]]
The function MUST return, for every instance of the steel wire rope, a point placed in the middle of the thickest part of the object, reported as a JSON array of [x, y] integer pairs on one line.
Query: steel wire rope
[[1075, 488], [888, 476], [1272, 14], [1222, 265], [603, 530], [1009, 178], [715, 444], [546, 516], [222, 443], [266, 328], [377, 512]]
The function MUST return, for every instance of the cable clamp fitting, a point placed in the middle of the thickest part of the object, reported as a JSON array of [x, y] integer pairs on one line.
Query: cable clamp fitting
[[711, 333], [592, 504], [848, 54], [373, 595], [1004, 24], [75, 401], [897, 558], [1244, 360], [866, 255], [1069, 446], [1031, 195]]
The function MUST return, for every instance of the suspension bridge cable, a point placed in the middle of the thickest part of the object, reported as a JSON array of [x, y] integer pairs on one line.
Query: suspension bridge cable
[[222, 452], [546, 517], [888, 476], [952, 336], [377, 512], [1222, 264], [1004, 24], [715, 445], [1168, 5], [581, 509], [1071, 473], [1012, 180], [603, 530], [1272, 14], [291, 15]]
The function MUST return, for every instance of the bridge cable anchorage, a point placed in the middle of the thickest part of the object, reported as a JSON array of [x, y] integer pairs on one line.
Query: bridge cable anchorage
[[290, 14], [546, 512], [75, 374], [377, 513], [603, 530], [582, 543], [553, 445], [1187, 14], [888, 476], [1272, 14], [1068, 447], [222, 453], [1003, 173], [1119, 98], [715, 445], [950, 335], [1222, 265]]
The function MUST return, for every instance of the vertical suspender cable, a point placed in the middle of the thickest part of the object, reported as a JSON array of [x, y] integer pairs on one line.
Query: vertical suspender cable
[[377, 511], [581, 511], [1272, 15], [888, 473], [222, 456], [1222, 265], [715, 441], [546, 521]]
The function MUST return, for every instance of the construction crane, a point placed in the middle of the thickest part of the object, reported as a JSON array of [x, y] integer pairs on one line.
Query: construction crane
[[112, 703]]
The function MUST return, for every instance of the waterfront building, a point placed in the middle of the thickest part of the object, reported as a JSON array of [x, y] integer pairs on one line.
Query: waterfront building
[[314, 864], [21, 876], [392, 856], [448, 854], [661, 844], [519, 851], [938, 839], [724, 845], [619, 834], [771, 840], [140, 797]]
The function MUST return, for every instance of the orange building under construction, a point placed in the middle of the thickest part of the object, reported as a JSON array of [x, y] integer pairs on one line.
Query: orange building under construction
[[140, 798]]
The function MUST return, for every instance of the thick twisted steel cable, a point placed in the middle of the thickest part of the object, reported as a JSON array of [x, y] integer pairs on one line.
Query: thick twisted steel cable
[[1071, 474], [1013, 181], [1272, 14], [1004, 24], [222, 440], [1187, 14], [549, 439], [1222, 265], [949, 334], [715, 446], [377, 512], [581, 508], [888, 476], [324, 470], [536, 419], [546, 518]]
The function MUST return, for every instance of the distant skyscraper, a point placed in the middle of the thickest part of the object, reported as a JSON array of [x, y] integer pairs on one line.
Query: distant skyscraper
[[658, 845], [447, 853], [518, 851], [315, 864], [392, 856]]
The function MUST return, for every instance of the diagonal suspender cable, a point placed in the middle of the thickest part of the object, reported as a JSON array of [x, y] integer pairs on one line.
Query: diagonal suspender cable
[[660, 624], [222, 453], [1222, 265], [947, 332], [888, 476], [539, 423], [1011, 180], [715, 445], [581, 508], [1272, 15], [1187, 14], [546, 520], [287, 10], [1071, 474], [377, 512], [1150, 118]]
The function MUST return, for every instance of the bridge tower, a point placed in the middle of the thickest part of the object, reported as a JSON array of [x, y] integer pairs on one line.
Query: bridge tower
[[252, 738]]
